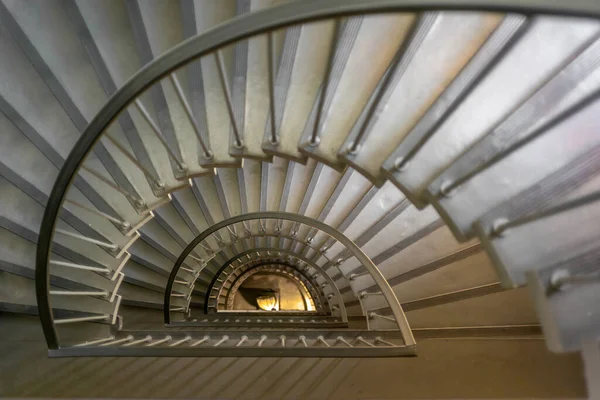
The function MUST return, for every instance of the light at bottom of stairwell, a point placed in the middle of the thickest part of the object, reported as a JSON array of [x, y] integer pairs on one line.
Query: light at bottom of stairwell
[[266, 303]]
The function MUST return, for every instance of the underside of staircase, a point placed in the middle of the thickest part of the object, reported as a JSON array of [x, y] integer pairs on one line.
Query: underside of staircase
[[426, 175]]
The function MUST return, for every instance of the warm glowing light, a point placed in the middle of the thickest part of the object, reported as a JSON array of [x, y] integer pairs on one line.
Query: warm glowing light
[[266, 303]]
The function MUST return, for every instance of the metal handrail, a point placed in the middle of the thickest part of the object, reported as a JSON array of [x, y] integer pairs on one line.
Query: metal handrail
[[241, 28], [366, 262]]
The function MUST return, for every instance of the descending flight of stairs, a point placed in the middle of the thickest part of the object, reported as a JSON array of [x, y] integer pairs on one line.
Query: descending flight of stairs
[[458, 150]]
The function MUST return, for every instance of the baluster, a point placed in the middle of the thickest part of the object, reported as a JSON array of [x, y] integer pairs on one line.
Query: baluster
[[302, 340], [363, 341], [184, 340], [223, 340], [103, 270], [322, 340], [93, 342], [342, 340], [118, 341], [199, 342], [161, 341], [243, 340], [87, 239], [262, 340], [378, 339], [140, 341]]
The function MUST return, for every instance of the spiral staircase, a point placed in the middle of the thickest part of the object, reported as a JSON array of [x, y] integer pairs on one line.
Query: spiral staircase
[[420, 170]]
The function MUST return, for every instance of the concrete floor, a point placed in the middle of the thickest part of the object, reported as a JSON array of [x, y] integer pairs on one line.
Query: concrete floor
[[490, 368]]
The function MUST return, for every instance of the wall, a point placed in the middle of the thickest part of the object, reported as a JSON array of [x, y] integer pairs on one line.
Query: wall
[[444, 369]]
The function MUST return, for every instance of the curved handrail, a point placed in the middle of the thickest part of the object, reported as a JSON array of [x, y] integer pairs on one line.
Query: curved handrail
[[283, 251], [312, 287], [229, 32], [366, 262]]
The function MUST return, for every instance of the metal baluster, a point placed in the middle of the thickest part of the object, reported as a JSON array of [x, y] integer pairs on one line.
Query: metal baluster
[[396, 68], [262, 229], [314, 138], [123, 224], [102, 293], [199, 342], [342, 340], [232, 232], [375, 315], [364, 294], [188, 111], [118, 341], [87, 239], [220, 242], [103, 270], [310, 238], [243, 340], [282, 340], [199, 260], [501, 226], [360, 339], [184, 340], [81, 319], [135, 162], [93, 342], [322, 340], [139, 341], [180, 165], [262, 340], [161, 341], [223, 340], [136, 200], [208, 250], [247, 230], [378, 339], [354, 276], [238, 143], [271, 69], [302, 340]]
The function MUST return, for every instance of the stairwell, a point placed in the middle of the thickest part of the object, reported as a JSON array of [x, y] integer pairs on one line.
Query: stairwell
[[427, 177]]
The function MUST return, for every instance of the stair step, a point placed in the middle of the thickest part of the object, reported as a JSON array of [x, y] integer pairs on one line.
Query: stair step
[[420, 67], [513, 264], [517, 309], [314, 43], [447, 143], [208, 96]]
